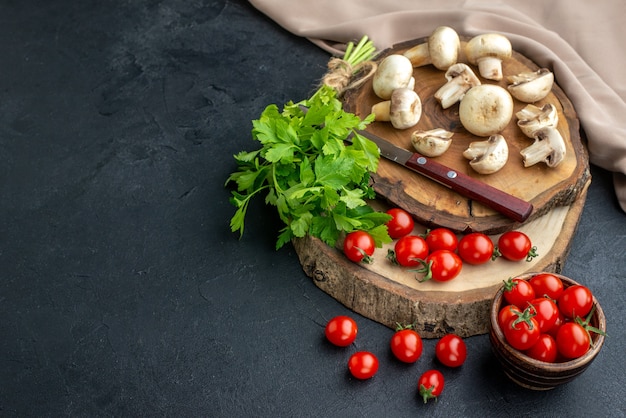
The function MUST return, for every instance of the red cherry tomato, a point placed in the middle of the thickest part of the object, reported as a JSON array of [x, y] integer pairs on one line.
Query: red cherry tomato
[[401, 224], [516, 246], [518, 292], [406, 345], [359, 246], [546, 313], [341, 330], [506, 313], [544, 349], [546, 284], [475, 248], [572, 340], [430, 384], [521, 332], [575, 301], [451, 350], [442, 266], [410, 251], [441, 239], [557, 324], [363, 364]]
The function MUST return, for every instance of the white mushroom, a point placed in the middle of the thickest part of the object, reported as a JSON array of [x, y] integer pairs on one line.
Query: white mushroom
[[532, 118], [403, 109], [486, 109], [441, 49], [488, 51], [460, 78], [532, 86], [549, 147], [488, 156], [431, 143], [394, 72]]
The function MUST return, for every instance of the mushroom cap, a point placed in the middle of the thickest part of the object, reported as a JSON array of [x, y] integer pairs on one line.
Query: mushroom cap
[[488, 156], [394, 72], [532, 118], [486, 109], [487, 51], [432, 143], [460, 78], [444, 46], [488, 45], [532, 86], [405, 109]]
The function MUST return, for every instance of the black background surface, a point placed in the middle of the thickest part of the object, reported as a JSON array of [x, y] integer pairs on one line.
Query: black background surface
[[123, 291]]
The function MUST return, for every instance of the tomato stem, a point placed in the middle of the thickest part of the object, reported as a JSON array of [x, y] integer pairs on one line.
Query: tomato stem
[[427, 393], [532, 253]]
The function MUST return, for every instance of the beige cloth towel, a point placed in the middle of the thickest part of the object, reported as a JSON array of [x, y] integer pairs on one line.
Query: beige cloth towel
[[581, 41]]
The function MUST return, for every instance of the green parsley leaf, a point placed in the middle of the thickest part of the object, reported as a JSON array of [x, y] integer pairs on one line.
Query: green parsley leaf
[[318, 184]]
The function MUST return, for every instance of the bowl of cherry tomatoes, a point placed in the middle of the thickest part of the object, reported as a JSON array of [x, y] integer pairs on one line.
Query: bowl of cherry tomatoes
[[545, 329]]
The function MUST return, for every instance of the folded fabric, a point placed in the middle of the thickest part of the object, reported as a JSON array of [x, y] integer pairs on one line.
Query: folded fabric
[[580, 41]]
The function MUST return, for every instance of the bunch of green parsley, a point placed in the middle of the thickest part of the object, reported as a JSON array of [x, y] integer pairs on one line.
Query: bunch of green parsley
[[317, 182]]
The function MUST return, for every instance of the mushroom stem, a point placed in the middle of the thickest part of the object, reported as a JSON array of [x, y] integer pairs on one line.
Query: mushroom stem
[[419, 55], [381, 111], [460, 78], [403, 110], [549, 147], [491, 66]]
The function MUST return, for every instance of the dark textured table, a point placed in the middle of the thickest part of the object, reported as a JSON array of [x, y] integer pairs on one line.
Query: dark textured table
[[123, 291]]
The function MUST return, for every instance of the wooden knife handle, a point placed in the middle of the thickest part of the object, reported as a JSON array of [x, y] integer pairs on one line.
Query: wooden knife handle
[[515, 208]]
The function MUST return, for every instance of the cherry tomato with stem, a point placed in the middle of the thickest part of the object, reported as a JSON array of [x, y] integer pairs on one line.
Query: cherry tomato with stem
[[451, 350], [547, 285], [576, 300], [441, 266], [341, 330], [409, 251], [515, 246], [545, 312], [506, 313], [359, 246], [363, 365], [522, 331], [406, 344], [518, 292], [401, 223], [430, 385], [544, 349], [441, 239], [475, 248]]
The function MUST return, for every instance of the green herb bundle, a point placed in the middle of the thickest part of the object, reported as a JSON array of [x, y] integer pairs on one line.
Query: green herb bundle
[[318, 183]]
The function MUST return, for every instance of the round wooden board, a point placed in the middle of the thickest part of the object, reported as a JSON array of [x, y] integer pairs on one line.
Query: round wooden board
[[390, 294], [435, 205]]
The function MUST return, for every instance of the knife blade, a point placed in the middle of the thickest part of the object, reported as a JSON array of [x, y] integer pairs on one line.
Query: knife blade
[[504, 203]]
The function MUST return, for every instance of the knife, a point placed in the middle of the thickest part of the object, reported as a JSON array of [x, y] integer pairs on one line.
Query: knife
[[514, 208]]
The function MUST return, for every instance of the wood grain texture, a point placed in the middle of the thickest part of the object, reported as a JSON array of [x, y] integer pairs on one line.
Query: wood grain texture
[[435, 205], [388, 294]]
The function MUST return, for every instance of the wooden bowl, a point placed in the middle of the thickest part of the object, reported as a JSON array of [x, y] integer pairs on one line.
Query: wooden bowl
[[534, 374]]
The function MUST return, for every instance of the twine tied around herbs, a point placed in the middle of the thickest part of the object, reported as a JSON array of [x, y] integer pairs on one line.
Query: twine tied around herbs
[[342, 76]]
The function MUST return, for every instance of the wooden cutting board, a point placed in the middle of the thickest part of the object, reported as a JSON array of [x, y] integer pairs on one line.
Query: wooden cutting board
[[390, 294], [436, 205]]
